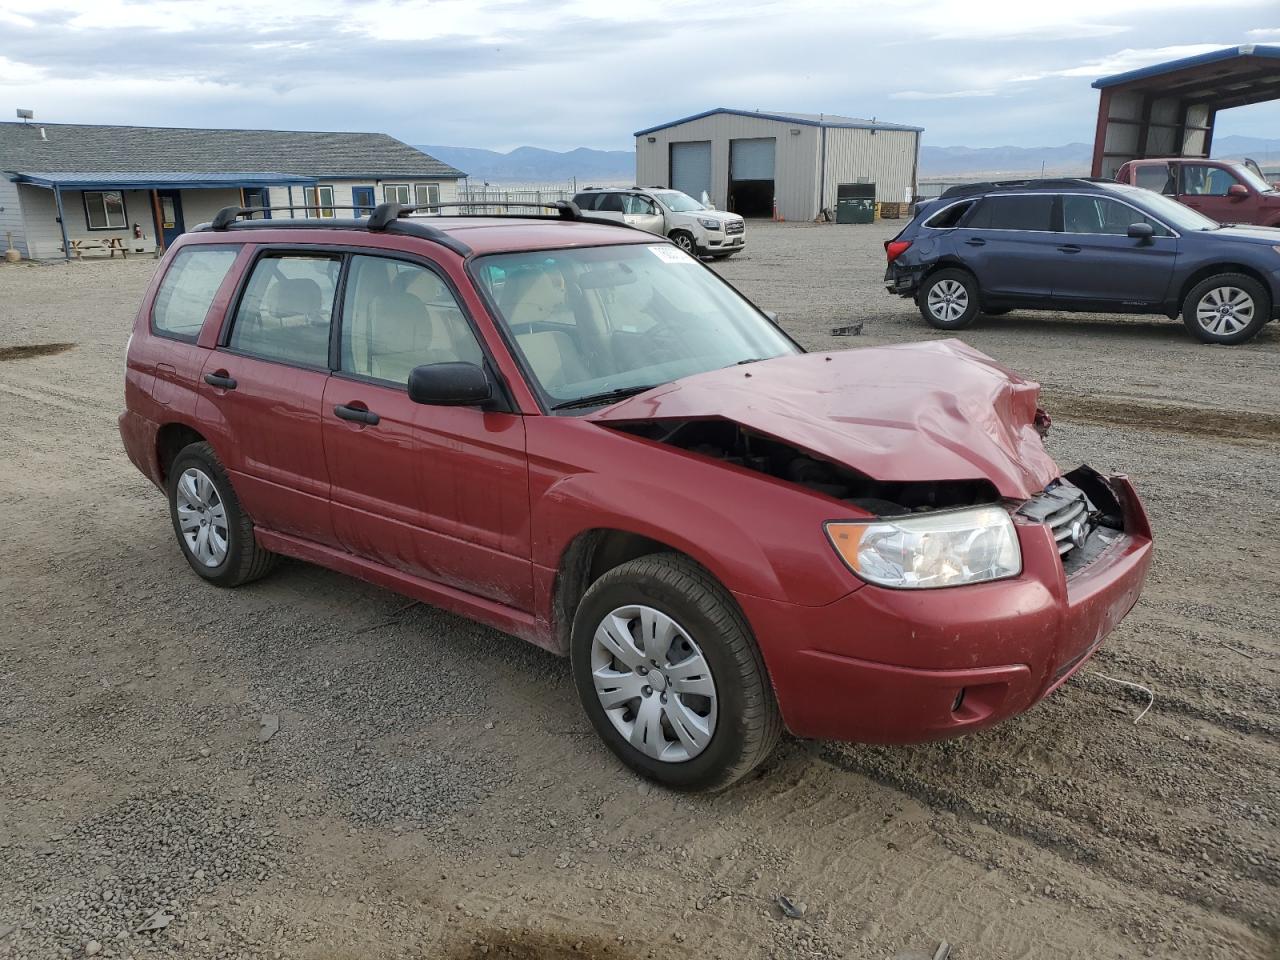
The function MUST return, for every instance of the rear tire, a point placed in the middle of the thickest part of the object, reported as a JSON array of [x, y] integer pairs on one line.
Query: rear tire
[[1229, 308], [691, 707], [948, 299], [215, 534]]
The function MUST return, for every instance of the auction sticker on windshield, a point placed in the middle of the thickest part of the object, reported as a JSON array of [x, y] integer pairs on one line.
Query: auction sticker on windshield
[[669, 254]]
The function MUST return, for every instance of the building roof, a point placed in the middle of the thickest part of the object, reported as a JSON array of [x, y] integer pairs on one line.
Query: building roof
[[1190, 64], [98, 149], [156, 181], [803, 119]]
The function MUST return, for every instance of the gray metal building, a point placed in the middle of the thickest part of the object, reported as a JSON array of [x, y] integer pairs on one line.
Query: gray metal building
[[745, 160]]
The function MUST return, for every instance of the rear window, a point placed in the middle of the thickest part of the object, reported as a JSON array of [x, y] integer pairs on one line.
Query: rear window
[[1154, 176], [188, 289], [1017, 212]]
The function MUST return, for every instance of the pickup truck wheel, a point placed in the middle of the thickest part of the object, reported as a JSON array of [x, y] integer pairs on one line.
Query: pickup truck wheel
[[215, 534], [685, 241], [948, 299], [1228, 309], [670, 676]]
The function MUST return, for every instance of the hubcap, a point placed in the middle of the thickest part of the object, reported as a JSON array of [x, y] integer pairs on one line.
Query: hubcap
[[1223, 311], [948, 300], [654, 683], [202, 517]]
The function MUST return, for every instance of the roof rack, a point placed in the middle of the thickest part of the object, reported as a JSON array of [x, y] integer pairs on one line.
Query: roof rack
[[388, 212]]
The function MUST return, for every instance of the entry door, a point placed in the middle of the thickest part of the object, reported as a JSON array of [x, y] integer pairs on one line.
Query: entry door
[[1096, 260], [362, 200], [261, 392], [171, 225], [691, 168], [438, 492]]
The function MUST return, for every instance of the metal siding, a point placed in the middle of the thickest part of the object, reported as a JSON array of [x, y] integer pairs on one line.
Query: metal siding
[[886, 158], [796, 158], [11, 217]]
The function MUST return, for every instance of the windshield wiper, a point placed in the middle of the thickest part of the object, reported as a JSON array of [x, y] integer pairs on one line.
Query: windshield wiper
[[606, 396]]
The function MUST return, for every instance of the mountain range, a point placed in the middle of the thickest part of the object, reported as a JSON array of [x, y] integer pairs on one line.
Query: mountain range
[[535, 165]]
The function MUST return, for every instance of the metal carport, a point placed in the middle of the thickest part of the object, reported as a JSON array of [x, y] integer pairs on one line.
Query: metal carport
[[1169, 109]]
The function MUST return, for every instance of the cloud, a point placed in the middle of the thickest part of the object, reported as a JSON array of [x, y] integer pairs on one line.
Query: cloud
[[1265, 33], [942, 95]]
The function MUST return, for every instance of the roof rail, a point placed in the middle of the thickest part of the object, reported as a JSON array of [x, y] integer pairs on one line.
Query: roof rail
[[964, 189], [228, 217]]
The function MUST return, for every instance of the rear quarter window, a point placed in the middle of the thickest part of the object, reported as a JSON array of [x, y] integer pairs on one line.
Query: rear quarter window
[[186, 293], [949, 217]]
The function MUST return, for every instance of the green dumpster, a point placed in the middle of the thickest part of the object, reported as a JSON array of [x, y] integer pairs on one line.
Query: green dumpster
[[855, 203]]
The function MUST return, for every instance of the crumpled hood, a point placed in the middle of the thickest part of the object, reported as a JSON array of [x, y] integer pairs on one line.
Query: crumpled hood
[[921, 411]]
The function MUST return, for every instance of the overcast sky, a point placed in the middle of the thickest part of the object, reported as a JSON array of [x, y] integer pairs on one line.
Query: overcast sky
[[503, 73]]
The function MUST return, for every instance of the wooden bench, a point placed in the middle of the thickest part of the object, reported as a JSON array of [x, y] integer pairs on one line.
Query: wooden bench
[[108, 245]]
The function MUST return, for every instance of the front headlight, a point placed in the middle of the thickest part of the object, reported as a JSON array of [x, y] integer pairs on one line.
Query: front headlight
[[709, 224], [944, 549]]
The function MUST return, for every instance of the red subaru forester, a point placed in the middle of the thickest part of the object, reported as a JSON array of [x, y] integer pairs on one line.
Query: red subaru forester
[[576, 433]]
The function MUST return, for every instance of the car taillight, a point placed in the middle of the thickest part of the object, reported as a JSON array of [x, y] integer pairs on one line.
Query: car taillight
[[893, 249]]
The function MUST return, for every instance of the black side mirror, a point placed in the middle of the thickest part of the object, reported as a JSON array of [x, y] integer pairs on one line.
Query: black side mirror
[[454, 384], [1141, 231]]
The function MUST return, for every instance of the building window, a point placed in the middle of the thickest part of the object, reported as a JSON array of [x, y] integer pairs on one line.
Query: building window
[[396, 193], [104, 210], [426, 194], [318, 201]]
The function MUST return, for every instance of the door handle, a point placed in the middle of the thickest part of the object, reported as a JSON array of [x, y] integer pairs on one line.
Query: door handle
[[221, 380], [1069, 248], [976, 242], [356, 414]]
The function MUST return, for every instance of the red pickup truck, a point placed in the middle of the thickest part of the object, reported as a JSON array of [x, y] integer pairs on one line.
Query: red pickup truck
[[1222, 190]]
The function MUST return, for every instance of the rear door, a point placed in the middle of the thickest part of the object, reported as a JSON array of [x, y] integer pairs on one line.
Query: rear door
[[1096, 261], [262, 388], [1007, 241], [438, 492]]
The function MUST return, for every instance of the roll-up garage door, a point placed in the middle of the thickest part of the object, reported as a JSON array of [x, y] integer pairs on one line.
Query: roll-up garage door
[[691, 168], [751, 159]]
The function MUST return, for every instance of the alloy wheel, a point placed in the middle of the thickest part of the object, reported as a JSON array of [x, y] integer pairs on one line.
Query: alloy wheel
[[1224, 311], [685, 243], [948, 300], [654, 683], [202, 517]]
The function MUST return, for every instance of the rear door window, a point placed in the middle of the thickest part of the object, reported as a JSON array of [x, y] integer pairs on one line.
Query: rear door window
[[1015, 212], [286, 309], [188, 289], [611, 203], [587, 201], [949, 217]]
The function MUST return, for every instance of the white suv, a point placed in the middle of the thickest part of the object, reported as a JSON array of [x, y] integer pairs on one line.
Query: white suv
[[697, 229]]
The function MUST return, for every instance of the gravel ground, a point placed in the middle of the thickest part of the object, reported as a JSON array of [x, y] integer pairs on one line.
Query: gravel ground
[[434, 791]]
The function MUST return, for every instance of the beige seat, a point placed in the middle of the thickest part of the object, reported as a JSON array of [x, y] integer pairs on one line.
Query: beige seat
[[402, 332], [554, 357]]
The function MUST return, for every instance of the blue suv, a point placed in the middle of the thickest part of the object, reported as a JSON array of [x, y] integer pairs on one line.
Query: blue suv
[[1084, 245]]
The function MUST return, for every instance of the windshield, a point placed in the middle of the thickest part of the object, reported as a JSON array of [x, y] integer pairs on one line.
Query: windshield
[[678, 202], [1248, 175], [1174, 213], [600, 320]]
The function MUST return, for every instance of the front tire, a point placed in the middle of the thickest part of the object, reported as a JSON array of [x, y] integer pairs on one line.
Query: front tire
[[1228, 309], [686, 242], [215, 534], [670, 676], [949, 299]]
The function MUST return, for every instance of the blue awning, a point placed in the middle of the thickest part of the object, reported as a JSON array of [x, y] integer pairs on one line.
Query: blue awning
[[159, 181]]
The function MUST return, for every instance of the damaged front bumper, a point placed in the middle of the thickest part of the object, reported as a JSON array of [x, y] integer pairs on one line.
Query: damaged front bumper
[[901, 666]]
